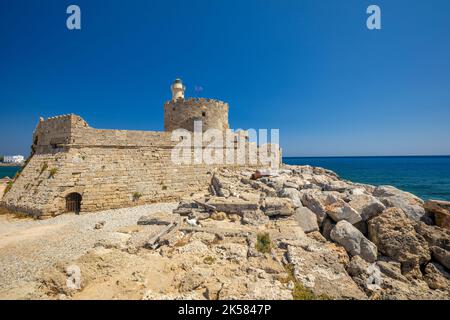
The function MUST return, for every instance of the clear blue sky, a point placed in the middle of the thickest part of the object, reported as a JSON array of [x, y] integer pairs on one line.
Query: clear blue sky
[[308, 67]]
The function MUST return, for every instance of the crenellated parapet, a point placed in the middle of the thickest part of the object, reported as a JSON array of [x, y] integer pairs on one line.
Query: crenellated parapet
[[181, 114], [54, 133]]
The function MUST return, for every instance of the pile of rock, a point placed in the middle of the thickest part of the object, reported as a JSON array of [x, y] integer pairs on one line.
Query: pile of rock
[[324, 236], [384, 227]]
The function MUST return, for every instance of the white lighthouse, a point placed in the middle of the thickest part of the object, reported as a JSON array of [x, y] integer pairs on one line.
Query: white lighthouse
[[177, 89]]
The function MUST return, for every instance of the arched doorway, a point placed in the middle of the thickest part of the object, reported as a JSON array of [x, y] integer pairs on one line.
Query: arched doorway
[[73, 202]]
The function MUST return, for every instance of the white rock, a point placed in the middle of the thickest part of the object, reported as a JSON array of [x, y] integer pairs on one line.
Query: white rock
[[367, 206], [306, 219], [292, 194], [354, 241], [339, 210], [393, 197]]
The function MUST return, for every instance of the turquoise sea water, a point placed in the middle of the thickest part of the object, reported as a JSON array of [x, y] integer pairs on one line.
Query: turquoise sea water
[[8, 171], [427, 177]]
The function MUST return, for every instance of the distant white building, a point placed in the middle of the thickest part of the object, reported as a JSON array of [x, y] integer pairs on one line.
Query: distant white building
[[13, 159]]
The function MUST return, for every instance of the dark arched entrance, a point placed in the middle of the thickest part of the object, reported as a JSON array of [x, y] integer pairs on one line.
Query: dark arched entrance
[[73, 202]]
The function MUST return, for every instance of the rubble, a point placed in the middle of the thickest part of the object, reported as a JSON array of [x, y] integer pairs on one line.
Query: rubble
[[296, 233]]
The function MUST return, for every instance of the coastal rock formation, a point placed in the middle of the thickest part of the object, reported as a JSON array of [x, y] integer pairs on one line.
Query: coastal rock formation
[[338, 210], [442, 256], [440, 211], [394, 235], [306, 219], [411, 205], [366, 205], [319, 269], [293, 233], [353, 241]]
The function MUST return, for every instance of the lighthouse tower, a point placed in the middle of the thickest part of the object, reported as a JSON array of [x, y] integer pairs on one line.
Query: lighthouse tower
[[178, 89], [182, 113]]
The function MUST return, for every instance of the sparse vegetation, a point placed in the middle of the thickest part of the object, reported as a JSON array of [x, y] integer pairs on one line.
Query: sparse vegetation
[[8, 187], [209, 260], [263, 243], [52, 173], [300, 292], [164, 187], [43, 168], [136, 196]]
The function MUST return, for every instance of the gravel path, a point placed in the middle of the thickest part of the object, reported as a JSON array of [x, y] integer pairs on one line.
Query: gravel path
[[28, 247]]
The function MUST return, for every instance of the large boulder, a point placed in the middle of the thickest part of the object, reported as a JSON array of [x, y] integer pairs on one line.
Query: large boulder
[[436, 277], [292, 194], [336, 185], [441, 212], [233, 205], [339, 210], [393, 197], [395, 237], [366, 205], [315, 201], [364, 274], [254, 218], [384, 280], [353, 241], [320, 180], [318, 268], [442, 256], [273, 206], [435, 236], [306, 219], [392, 269]]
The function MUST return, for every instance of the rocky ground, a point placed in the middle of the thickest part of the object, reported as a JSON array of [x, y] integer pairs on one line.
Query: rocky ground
[[296, 233]]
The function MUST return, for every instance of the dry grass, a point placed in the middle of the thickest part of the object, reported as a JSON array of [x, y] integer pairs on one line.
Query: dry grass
[[263, 243]]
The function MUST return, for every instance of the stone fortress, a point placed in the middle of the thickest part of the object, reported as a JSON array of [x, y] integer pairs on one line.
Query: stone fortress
[[76, 168], [181, 113]]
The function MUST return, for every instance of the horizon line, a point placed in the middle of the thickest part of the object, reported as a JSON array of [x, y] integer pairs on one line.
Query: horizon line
[[373, 156]]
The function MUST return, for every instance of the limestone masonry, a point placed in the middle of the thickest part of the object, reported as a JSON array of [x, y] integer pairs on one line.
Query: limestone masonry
[[74, 167]]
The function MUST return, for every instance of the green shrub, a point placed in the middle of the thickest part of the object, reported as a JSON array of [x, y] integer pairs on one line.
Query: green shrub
[[209, 260], [263, 243], [8, 187], [52, 173], [136, 196]]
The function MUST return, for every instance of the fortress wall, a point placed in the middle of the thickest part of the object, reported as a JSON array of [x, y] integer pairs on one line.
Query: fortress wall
[[120, 138], [106, 178], [108, 168], [54, 131], [182, 113], [32, 186]]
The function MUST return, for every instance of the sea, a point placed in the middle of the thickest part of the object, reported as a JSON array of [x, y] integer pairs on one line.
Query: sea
[[8, 171], [428, 177]]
